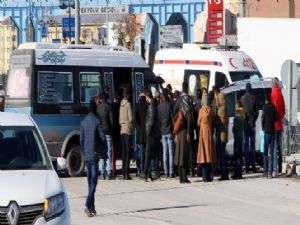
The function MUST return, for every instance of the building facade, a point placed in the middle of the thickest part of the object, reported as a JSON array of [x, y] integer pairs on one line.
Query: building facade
[[9, 32]]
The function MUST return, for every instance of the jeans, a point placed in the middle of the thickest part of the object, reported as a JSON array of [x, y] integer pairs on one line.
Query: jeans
[[249, 133], [238, 156], [109, 157], [221, 148], [92, 178], [269, 154], [140, 158], [126, 144], [168, 149], [277, 157]]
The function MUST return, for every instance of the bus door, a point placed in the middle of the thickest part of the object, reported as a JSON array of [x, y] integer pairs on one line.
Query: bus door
[[108, 82], [138, 83], [122, 80]]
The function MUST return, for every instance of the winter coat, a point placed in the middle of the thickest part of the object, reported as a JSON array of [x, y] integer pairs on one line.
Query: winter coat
[[278, 102], [269, 116], [223, 118], [239, 124], [92, 139], [183, 147], [140, 119], [152, 120], [249, 103], [125, 117], [206, 149], [105, 113], [165, 113]]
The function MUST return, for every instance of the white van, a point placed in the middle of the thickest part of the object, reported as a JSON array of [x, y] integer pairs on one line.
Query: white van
[[200, 67], [30, 190]]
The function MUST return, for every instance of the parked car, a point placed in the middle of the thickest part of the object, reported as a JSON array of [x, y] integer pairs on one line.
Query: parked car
[[234, 92], [30, 190]]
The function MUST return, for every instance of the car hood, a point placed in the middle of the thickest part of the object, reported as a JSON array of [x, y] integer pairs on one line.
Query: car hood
[[28, 187]]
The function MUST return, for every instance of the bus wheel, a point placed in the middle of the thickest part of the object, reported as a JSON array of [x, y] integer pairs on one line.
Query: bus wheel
[[75, 161]]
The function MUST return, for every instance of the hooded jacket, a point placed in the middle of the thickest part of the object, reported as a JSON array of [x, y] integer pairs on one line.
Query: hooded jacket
[[249, 103], [278, 102]]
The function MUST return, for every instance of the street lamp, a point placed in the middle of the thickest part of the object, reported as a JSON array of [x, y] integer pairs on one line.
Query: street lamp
[[64, 4]]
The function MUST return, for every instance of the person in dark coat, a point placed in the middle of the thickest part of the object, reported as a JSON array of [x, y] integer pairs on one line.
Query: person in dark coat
[[116, 132], [166, 127], [105, 113], [250, 105], [92, 142], [140, 122], [268, 119], [152, 135], [183, 135]]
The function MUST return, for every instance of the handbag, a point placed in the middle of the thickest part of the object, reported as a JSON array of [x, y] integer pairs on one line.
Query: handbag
[[178, 122]]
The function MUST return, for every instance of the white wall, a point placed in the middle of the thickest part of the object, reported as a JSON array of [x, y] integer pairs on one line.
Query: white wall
[[269, 42]]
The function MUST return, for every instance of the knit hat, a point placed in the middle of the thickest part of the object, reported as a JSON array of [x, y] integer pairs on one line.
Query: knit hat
[[248, 87]]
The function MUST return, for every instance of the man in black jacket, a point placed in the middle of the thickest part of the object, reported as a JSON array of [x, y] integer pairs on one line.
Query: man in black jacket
[[268, 119], [249, 103], [105, 113], [152, 134], [166, 127]]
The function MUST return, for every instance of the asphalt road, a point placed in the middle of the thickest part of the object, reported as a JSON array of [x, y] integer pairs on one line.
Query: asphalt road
[[251, 201]]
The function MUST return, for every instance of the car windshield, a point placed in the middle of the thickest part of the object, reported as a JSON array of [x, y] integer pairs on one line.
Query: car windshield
[[244, 75], [22, 148]]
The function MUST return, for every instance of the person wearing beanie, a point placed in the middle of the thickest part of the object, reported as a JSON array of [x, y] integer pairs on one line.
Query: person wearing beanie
[[278, 101], [250, 106]]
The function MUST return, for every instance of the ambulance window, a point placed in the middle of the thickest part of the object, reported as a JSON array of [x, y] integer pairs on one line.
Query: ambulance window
[[221, 80], [196, 79]]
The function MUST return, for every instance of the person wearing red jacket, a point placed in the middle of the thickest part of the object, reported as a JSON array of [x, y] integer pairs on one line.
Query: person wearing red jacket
[[278, 102]]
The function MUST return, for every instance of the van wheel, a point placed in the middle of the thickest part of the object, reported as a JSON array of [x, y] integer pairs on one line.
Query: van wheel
[[75, 161]]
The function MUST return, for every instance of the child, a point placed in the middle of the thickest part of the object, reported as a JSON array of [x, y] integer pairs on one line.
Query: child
[[268, 119], [238, 134]]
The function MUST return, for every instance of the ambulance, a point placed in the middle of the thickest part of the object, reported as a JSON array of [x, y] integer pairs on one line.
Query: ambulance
[[204, 66]]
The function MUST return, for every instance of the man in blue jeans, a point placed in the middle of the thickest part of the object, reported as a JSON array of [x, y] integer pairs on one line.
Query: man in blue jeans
[[165, 113], [250, 105], [105, 114], [92, 142]]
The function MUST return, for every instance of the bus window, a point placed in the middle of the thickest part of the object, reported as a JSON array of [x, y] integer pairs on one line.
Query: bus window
[[192, 85], [18, 83], [221, 80], [55, 87], [89, 86]]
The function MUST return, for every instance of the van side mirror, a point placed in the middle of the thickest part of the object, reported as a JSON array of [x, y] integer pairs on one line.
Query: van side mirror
[[61, 164]]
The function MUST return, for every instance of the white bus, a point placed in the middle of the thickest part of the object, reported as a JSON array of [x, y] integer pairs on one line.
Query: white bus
[[54, 83]]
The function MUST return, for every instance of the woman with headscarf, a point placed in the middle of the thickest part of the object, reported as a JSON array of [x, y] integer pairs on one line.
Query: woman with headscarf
[[183, 131], [206, 150]]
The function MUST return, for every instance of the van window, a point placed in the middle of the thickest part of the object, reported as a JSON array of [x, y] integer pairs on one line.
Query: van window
[[89, 86], [221, 80], [244, 75], [18, 83], [55, 87], [197, 79]]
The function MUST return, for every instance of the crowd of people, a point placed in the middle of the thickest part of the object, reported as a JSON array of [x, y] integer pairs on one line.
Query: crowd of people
[[192, 134]]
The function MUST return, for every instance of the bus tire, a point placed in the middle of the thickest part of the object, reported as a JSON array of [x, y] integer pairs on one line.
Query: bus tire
[[75, 161]]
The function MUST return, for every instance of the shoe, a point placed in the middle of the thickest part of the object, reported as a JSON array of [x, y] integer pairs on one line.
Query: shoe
[[102, 177], [172, 176], [236, 177], [128, 177], [88, 212], [274, 175], [110, 177], [187, 181], [94, 212], [222, 178]]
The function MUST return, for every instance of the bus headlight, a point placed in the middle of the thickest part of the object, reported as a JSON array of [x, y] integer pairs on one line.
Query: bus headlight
[[54, 206]]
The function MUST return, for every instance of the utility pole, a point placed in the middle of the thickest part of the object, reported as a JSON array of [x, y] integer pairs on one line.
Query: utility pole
[[69, 20], [242, 8], [77, 21], [107, 21]]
